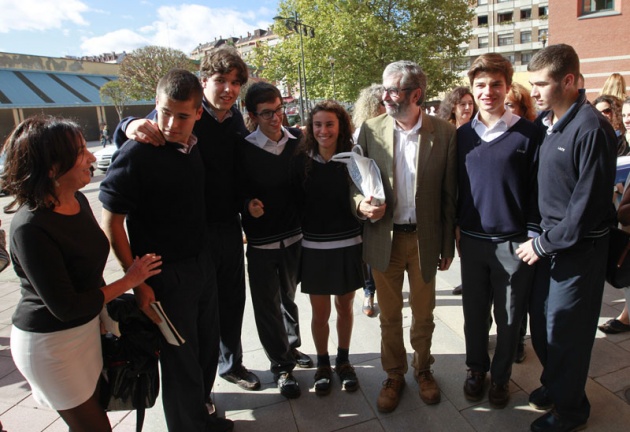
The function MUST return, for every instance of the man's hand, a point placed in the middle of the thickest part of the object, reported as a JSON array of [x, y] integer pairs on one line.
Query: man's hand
[[144, 297], [256, 208], [526, 252], [444, 263], [145, 131], [370, 211]]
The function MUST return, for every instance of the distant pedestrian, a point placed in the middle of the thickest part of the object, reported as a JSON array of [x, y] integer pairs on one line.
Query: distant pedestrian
[[105, 138]]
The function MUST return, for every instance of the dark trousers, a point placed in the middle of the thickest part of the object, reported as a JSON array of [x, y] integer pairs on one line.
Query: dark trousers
[[492, 274], [565, 312], [227, 254], [273, 278], [188, 294]]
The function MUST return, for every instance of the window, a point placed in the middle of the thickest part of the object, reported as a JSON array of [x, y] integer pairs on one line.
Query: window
[[482, 2], [506, 39], [526, 14], [510, 57], [543, 11], [503, 1], [482, 20], [526, 36], [525, 58], [482, 42], [505, 17], [592, 6]]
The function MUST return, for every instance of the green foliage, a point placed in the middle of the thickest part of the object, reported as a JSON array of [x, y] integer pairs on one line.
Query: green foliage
[[141, 70], [113, 92], [363, 36]]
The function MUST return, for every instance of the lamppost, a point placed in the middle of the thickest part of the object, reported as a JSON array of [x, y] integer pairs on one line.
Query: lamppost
[[331, 59], [298, 26]]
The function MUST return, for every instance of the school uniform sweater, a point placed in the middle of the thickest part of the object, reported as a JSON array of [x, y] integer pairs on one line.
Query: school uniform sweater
[[497, 182]]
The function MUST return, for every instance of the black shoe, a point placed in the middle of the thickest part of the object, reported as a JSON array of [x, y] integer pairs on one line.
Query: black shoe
[[301, 359], [288, 385], [243, 378], [539, 399], [323, 376], [499, 395], [614, 326], [219, 424], [212, 410], [473, 386], [348, 377], [551, 422], [457, 290], [520, 353]]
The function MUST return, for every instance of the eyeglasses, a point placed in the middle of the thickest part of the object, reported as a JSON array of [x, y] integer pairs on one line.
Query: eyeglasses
[[606, 111], [394, 91], [268, 114]]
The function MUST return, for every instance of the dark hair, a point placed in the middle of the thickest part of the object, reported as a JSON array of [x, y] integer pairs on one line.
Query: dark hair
[[309, 144], [616, 106], [36, 147], [492, 63], [447, 112], [223, 60], [561, 59], [412, 76], [522, 97], [180, 85], [261, 92]]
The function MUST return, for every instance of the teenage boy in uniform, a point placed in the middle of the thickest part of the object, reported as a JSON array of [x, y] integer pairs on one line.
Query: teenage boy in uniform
[[219, 129], [272, 226], [575, 176], [137, 181], [497, 210]]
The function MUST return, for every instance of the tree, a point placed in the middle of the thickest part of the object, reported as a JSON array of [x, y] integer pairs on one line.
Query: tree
[[363, 36], [113, 92], [141, 70]]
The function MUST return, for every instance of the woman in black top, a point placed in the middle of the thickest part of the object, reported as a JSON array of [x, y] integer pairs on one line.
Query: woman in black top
[[59, 253], [331, 246]]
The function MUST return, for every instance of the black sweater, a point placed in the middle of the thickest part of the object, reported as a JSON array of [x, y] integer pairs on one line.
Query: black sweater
[[497, 182], [59, 260], [265, 176], [575, 177], [161, 190]]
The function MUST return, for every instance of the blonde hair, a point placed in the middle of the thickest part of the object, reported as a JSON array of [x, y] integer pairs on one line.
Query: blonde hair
[[615, 85], [367, 105], [519, 94]]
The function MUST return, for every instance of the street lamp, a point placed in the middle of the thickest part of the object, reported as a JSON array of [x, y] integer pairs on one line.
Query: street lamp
[[331, 59], [294, 24]]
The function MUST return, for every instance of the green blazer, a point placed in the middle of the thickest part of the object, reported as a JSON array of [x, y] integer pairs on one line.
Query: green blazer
[[436, 190]]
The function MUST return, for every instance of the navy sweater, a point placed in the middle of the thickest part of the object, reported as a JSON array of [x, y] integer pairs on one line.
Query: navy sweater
[[576, 178], [217, 144], [161, 190], [266, 176], [497, 182]]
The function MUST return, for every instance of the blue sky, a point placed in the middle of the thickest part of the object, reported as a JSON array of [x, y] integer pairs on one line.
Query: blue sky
[[57, 28]]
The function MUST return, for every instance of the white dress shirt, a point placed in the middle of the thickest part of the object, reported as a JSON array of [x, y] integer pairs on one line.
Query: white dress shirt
[[405, 167], [493, 132]]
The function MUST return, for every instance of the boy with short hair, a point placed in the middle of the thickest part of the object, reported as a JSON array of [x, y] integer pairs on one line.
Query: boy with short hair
[[272, 226], [134, 190], [497, 211]]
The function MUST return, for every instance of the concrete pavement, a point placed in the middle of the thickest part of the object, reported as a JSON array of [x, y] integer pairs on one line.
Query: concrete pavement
[[265, 410]]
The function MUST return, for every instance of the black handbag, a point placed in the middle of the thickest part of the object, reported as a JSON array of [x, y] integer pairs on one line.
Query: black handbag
[[130, 378], [618, 265]]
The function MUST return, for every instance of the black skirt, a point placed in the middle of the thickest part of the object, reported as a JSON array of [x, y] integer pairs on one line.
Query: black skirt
[[332, 271]]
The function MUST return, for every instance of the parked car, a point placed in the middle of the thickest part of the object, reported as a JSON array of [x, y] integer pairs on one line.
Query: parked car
[[623, 169], [104, 157]]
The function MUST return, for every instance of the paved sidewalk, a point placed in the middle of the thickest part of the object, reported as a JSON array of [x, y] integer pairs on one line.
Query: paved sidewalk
[[266, 410]]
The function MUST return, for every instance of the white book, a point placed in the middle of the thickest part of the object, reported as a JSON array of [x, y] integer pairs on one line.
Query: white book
[[166, 327]]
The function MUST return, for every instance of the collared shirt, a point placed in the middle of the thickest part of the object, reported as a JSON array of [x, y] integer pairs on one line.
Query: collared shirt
[[548, 122], [209, 110], [405, 167], [187, 147], [261, 140], [493, 132]]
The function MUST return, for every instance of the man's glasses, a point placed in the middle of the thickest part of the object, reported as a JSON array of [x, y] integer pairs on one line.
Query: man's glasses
[[395, 91], [268, 114]]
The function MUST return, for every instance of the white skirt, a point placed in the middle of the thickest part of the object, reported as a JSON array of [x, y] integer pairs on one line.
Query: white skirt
[[61, 367]]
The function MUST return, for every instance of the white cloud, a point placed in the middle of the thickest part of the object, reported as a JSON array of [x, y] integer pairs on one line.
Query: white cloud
[[40, 14], [182, 27], [116, 41]]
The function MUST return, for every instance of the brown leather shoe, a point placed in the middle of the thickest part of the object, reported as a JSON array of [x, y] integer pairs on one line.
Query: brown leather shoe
[[499, 395], [429, 389], [473, 386], [389, 396]]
